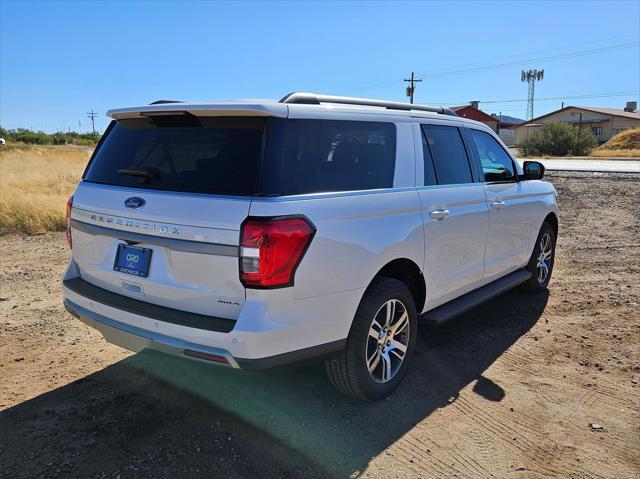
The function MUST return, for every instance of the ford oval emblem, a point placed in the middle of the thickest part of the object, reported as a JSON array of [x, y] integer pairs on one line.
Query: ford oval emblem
[[134, 202]]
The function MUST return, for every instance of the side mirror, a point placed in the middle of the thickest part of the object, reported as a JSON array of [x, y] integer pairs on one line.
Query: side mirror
[[533, 170]]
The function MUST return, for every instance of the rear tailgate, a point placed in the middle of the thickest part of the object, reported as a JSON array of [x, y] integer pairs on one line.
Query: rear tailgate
[[193, 267], [173, 190]]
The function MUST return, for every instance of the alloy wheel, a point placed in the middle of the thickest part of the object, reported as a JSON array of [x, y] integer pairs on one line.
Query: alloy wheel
[[545, 255], [388, 341]]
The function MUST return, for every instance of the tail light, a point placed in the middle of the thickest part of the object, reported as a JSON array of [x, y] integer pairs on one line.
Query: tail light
[[271, 249], [67, 221]]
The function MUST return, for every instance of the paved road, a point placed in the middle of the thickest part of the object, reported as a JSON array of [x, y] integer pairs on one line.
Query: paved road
[[622, 166]]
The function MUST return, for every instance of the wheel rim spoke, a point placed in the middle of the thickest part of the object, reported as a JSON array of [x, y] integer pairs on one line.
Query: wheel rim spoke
[[391, 310], [398, 346], [386, 367], [373, 361], [401, 324], [375, 329]]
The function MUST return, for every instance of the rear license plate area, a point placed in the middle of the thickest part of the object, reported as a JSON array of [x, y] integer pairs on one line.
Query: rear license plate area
[[133, 260]]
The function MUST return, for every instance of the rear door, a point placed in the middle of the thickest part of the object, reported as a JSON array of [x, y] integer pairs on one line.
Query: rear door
[[175, 189], [454, 212], [510, 207]]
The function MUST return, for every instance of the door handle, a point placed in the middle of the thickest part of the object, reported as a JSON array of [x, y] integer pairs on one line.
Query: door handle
[[438, 214], [497, 205]]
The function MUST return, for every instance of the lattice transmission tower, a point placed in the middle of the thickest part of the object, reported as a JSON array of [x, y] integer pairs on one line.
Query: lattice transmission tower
[[531, 77]]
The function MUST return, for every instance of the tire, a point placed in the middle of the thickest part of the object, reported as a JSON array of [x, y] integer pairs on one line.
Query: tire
[[539, 279], [349, 372]]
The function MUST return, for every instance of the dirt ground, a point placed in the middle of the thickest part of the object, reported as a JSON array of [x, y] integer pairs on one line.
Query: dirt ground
[[525, 386]]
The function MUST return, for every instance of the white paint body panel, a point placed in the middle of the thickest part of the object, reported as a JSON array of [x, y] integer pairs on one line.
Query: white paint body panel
[[358, 233], [511, 222], [193, 282], [455, 245]]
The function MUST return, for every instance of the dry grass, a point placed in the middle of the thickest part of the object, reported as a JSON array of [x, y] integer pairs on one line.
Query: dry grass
[[612, 153], [624, 144], [35, 182], [625, 140]]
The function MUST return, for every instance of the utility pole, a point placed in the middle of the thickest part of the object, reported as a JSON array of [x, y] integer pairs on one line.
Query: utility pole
[[531, 77], [92, 114], [579, 133], [411, 88], [580, 127]]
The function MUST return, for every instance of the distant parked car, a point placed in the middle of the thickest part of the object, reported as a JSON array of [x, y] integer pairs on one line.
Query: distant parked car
[[257, 233]]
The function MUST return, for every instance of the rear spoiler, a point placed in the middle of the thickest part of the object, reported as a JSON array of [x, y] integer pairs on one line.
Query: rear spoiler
[[202, 109]]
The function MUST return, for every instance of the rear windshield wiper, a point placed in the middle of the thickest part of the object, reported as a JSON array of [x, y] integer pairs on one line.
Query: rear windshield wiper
[[147, 175]]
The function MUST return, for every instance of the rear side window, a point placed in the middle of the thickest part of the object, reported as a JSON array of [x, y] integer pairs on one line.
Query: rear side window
[[182, 153], [449, 154], [334, 155], [429, 169], [496, 163]]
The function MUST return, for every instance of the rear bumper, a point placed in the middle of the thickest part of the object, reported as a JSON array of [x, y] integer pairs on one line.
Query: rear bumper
[[137, 339], [264, 335]]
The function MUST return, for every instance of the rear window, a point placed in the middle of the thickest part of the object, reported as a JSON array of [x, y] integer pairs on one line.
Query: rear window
[[212, 155], [335, 155]]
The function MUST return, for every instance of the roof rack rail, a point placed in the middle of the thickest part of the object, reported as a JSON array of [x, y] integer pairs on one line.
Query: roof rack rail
[[313, 99], [163, 102]]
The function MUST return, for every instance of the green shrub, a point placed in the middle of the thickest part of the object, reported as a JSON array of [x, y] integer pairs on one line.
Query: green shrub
[[59, 139], [558, 139], [22, 135], [27, 136]]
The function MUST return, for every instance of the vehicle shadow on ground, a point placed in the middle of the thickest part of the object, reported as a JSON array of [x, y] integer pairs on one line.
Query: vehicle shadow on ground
[[289, 412]]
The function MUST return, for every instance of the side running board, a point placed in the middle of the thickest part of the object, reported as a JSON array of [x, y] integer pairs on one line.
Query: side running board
[[472, 299]]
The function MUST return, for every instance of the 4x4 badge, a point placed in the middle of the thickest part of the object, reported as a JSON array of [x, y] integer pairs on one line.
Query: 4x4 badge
[[134, 202]]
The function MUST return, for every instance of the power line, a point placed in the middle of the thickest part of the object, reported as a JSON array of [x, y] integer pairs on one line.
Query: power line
[[411, 88], [571, 97], [466, 64], [453, 71], [561, 56], [549, 98]]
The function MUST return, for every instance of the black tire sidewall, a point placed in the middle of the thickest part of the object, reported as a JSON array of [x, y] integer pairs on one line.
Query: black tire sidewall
[[379, 293], [546, 228]]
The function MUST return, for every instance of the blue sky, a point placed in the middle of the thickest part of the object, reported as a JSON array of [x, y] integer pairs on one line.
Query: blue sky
[[58, 60]]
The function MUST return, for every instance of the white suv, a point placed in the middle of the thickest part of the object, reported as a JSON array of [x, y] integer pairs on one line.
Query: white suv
[[251, 234]]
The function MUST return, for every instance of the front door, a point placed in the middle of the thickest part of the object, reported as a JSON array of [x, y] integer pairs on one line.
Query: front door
[[510, 208]]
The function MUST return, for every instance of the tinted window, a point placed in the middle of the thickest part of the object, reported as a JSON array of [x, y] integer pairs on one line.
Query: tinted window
[[496, 163], [429, 170], [182, 153], [448, 153], [327, 155]]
